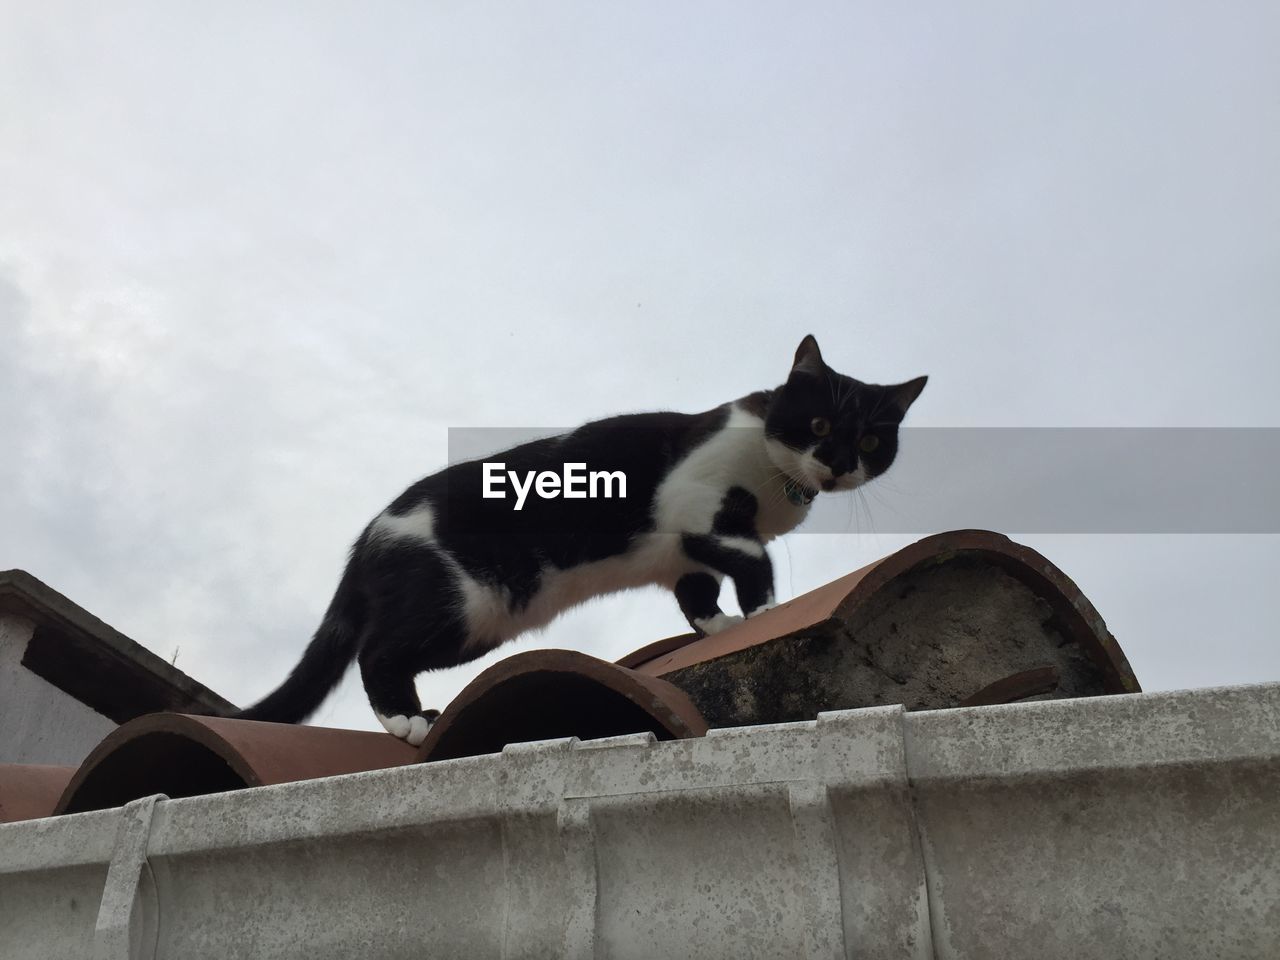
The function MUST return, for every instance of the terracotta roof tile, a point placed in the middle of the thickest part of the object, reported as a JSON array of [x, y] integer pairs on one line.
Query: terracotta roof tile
[[661, 689], [182, 756], [547, 694], [842, 599], [30, 790]]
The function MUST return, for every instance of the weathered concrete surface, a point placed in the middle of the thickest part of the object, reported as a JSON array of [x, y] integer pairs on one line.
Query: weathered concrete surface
[[1141, 826], [52, 875], [1144, 825], [938, 635]]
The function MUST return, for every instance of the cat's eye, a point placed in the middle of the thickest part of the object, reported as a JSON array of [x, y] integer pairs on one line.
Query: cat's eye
[[821, 426], [869, 443]]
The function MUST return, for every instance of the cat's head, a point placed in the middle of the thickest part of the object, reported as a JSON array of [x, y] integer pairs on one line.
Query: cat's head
[[830, 432]]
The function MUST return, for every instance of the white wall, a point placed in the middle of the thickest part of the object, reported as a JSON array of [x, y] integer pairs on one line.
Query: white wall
[[38, 722]]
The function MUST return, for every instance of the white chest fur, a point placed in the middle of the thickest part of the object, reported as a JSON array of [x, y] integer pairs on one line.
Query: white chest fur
[[690, 496]]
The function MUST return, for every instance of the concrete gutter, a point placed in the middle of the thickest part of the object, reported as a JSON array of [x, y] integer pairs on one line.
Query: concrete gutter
[[1126, 826]]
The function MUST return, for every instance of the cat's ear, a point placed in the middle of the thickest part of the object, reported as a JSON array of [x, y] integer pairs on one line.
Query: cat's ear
[[808, 358], [904, 394]]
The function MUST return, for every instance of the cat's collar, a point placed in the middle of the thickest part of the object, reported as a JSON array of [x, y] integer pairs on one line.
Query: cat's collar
[[797, 493]]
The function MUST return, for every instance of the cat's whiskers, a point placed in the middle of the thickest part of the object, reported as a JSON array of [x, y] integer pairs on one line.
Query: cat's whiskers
[[885, 504], [776, 491], [775, 476], [866, 505]]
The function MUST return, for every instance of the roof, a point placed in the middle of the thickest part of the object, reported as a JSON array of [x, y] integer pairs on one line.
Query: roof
[[94, 662], [1018, 629], [563, 805]]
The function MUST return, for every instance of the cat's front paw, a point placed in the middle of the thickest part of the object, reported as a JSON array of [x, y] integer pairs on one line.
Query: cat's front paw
[[721, 621], [767, 605]]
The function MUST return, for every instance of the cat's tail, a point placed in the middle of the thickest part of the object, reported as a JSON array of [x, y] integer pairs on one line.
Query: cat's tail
[[326, 659]]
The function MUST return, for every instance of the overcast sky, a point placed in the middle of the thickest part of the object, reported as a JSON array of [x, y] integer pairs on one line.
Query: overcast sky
[[256, 259]]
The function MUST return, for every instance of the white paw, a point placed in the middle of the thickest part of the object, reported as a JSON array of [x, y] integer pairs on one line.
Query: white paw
[[418, 727], [767, 605], [413, 730], [397, 726], [721, 621]]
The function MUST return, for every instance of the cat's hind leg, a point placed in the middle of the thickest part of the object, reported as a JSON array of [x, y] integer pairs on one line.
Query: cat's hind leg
[[388, 682], [415, 625]]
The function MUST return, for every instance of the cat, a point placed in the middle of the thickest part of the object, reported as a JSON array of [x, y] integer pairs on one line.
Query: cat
[[445, 574]]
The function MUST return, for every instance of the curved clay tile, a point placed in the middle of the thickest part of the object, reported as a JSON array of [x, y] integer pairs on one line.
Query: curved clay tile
[[1053, 641], [539, 695], [29, 791], [547, 694], [182, 756]]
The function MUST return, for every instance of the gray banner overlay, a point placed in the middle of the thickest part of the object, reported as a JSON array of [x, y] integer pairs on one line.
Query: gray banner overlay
[[1037, 480]]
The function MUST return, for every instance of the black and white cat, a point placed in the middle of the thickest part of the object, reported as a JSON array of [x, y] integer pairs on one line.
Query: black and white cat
[[444, 574]]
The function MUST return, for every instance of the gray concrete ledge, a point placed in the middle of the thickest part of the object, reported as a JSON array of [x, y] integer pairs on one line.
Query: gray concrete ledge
[[1142, 825]]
